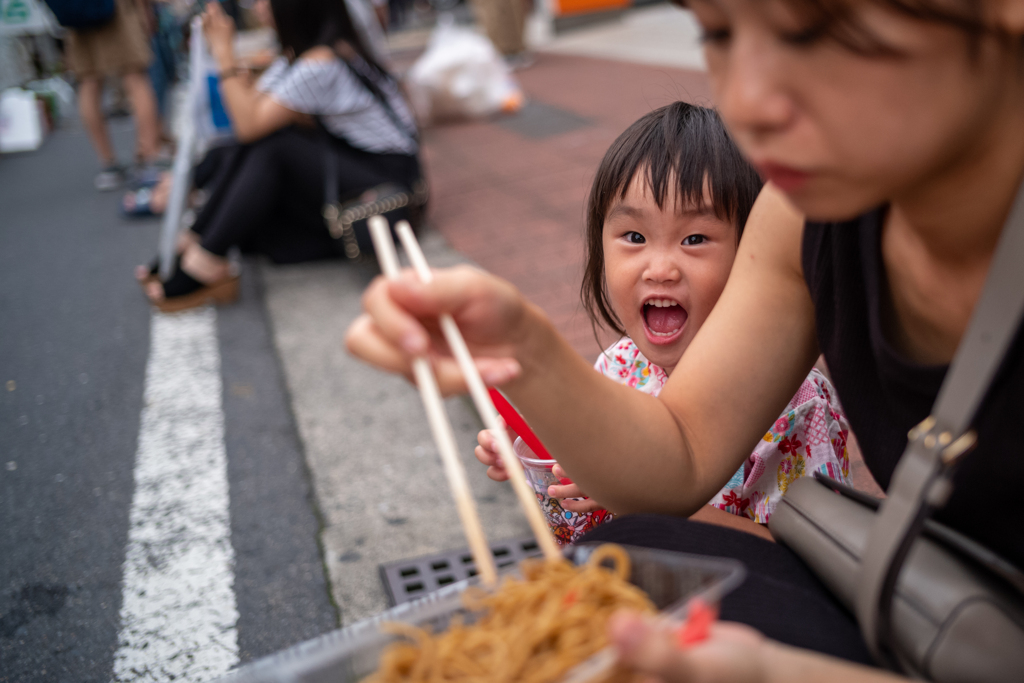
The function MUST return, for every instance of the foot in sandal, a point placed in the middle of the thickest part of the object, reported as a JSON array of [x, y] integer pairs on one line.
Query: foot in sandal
[[147, 273], [199, 278]]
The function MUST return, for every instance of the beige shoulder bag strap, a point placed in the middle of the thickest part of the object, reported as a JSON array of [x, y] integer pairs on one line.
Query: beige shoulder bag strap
[[922, 481]]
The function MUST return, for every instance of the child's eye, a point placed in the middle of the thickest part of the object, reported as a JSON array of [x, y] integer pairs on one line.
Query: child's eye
[[634, 237], [694, 239]]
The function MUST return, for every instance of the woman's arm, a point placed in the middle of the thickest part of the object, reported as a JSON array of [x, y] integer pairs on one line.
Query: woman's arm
[[631, 451], [253, 114]]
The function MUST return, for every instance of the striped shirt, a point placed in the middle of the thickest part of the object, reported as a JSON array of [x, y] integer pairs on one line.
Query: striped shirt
[[330, 91]]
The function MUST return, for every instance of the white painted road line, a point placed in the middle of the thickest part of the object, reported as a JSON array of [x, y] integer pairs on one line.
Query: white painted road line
[[178, 613]]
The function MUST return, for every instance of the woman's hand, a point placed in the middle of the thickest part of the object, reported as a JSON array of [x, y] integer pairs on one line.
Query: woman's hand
[[566, 492], [732, 653], [219, 30], [401, 322]]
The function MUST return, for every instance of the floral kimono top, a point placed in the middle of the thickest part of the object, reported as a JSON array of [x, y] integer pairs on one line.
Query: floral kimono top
[[809, 436]]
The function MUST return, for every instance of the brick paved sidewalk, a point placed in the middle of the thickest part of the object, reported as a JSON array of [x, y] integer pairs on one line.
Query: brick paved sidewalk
[[509, 193]]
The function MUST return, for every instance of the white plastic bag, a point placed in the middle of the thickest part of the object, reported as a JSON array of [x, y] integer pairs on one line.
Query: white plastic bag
[[21, 121], [461, 75]]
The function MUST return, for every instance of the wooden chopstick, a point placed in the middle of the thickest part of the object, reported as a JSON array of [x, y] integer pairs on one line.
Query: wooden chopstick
[[477, 389], [440, 424]]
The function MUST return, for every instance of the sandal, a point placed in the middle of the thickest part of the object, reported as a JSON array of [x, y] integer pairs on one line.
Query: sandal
[[182, 291], [153, 270], [138, 204]]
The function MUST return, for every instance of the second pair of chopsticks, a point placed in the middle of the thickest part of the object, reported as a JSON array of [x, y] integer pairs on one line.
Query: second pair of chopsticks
[[438, 418]]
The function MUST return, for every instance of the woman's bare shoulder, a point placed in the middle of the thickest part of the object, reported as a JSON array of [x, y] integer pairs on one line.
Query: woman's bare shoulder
[[773, 235]]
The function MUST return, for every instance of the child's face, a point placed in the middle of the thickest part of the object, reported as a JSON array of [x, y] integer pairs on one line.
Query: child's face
[[665, 269]]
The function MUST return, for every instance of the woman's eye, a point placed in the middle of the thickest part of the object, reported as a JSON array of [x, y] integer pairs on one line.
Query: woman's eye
[[634, 237], [807, 36], [714, 36], [694, 239]]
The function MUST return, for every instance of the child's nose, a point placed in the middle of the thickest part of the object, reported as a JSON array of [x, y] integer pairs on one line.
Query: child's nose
[[662, 270]]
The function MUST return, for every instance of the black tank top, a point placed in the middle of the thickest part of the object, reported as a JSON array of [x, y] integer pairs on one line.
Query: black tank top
[[884, 394]]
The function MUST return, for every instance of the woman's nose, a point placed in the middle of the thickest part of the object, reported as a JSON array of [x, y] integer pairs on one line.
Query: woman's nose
[[749, 91]]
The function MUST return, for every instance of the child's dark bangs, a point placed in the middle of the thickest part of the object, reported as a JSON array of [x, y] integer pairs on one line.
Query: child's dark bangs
[[689, 151], [669, 156]]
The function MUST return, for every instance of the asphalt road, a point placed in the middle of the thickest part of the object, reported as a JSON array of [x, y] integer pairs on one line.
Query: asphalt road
[[74, 343]]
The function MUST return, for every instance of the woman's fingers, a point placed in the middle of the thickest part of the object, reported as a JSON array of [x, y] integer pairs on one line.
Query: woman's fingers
[[364, 340], [391, 332], [644, 647], [394, 323], [731, 654]]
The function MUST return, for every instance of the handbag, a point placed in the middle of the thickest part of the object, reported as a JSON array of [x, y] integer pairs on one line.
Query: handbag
[[930, 602], [346, 222], [79, 14]]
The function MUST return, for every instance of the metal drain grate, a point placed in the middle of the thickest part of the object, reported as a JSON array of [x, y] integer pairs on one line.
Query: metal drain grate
[[407, 580]]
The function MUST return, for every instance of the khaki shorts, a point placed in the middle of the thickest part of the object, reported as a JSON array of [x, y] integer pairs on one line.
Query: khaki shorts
[[118, 47]]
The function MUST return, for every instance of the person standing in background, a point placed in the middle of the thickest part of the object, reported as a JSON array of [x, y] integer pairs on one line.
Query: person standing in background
[[119, 47], [504, 21]]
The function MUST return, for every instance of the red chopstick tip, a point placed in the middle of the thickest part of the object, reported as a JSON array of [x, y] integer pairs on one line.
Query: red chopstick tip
[[699, 618]]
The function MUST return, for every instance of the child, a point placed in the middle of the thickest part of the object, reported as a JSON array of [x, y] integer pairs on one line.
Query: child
[[664, 220]]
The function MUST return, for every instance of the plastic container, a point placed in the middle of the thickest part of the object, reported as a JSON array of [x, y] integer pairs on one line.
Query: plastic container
[[567, 527], [352, 653]]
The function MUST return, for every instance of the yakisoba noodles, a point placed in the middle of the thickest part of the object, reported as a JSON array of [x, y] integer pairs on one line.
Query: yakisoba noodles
[[533, 629]]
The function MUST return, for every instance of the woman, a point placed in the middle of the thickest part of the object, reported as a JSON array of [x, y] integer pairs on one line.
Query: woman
[[900, 124], [326, 97]]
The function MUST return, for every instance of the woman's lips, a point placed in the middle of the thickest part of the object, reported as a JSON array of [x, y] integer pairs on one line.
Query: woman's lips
[[787, 179]]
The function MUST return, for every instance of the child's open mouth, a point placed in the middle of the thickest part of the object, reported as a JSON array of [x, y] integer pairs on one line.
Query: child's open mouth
[[664, 320]]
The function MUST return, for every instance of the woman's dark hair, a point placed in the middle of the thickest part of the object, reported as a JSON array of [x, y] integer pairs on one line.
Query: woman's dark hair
[[679, 149], [837, 19], [305, 24]]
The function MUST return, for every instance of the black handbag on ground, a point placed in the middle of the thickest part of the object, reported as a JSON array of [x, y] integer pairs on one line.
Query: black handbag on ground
[[931, 603], [347, 222]]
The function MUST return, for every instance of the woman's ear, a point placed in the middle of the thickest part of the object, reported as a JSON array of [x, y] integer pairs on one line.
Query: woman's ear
[[1009, 16]]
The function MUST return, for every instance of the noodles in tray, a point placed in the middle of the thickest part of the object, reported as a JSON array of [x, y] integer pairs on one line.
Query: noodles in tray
[[533, 629]]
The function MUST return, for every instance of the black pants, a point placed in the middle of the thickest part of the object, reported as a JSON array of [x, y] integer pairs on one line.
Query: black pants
[[780, 596], [267, 196]]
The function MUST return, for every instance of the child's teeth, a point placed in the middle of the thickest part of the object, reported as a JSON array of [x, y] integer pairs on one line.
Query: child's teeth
[[662, 303]]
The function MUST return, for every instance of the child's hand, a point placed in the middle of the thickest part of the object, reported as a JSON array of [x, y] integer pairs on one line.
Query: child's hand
[[487, 453], [565, 492]]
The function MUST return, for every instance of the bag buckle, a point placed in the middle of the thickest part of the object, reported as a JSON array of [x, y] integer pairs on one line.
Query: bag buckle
[[952, 449]]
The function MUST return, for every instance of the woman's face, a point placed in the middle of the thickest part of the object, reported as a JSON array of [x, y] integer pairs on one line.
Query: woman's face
[[839, 132]]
